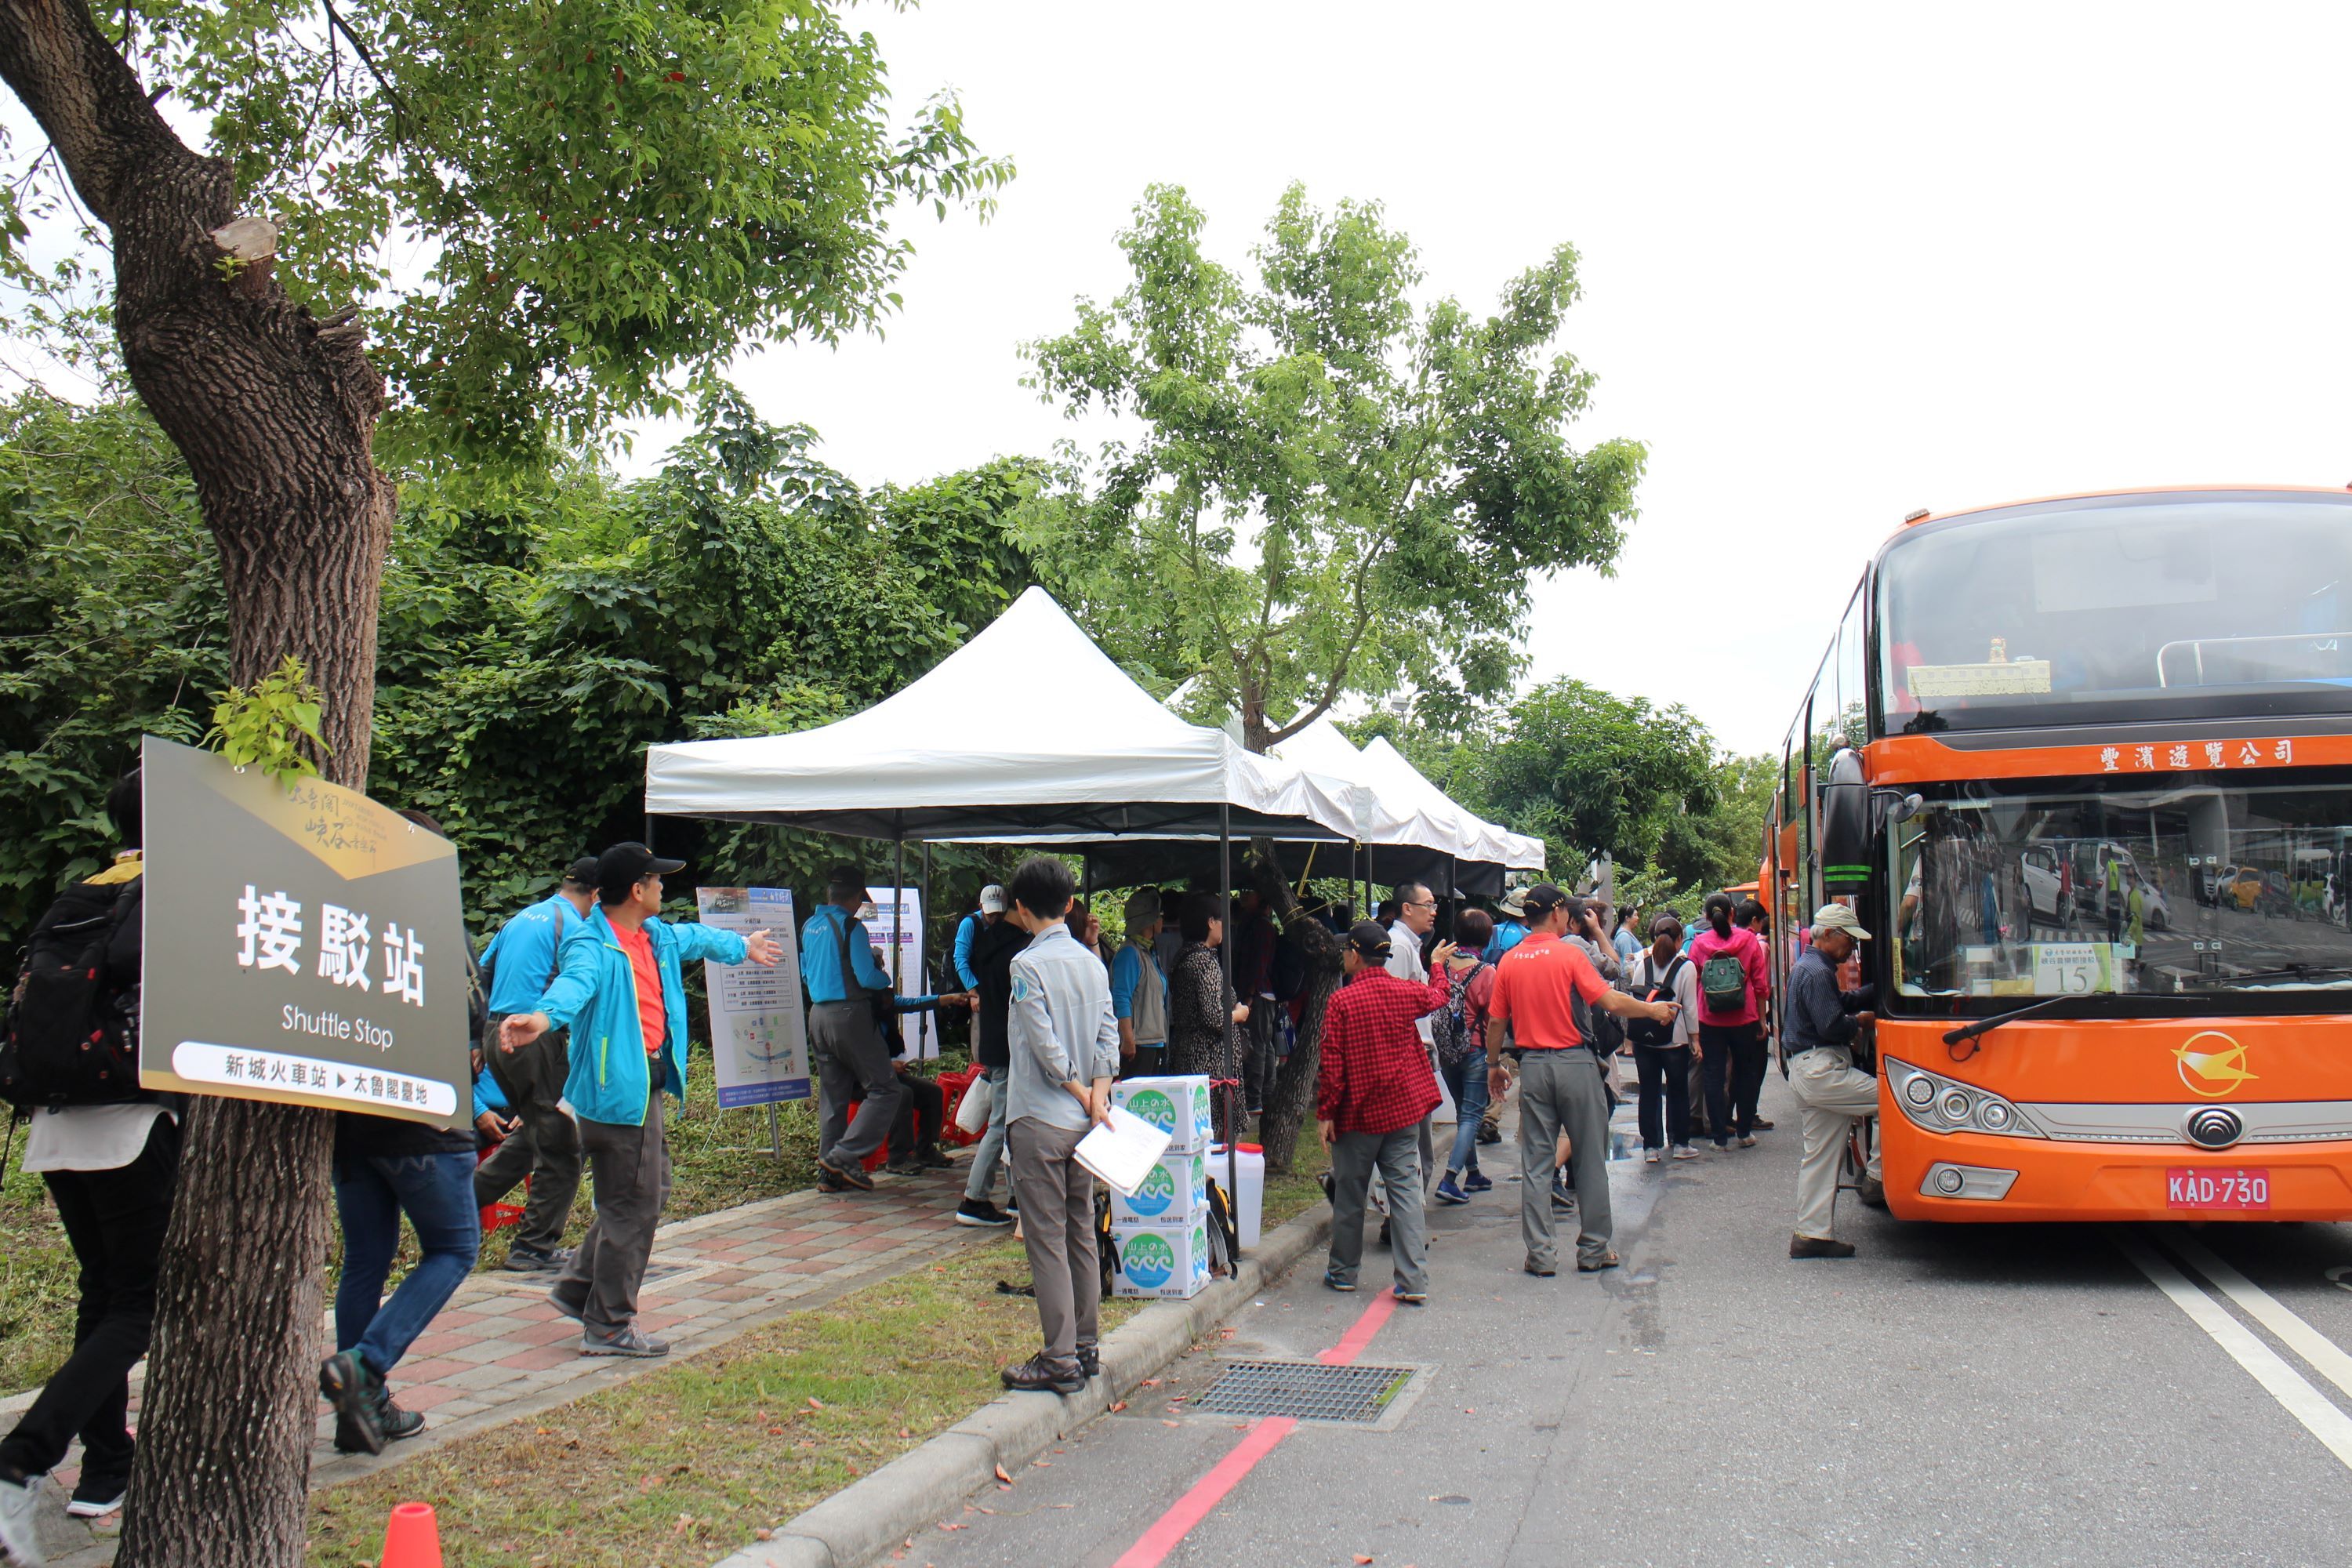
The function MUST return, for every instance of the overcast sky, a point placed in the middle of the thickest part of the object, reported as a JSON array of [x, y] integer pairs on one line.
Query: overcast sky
[[1839, 262]]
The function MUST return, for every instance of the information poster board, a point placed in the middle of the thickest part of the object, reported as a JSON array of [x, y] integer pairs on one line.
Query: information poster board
[[303, 944], [918, 1032], [759, 1035]]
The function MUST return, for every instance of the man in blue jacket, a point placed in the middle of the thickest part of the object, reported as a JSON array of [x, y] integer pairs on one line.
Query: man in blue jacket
[[968, 929], [621, 994], [847, 1053], [522, 960]]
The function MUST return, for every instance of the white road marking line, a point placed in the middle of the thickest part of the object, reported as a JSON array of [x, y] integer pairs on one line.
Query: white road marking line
[[2327, 1358], [2265, 1365]]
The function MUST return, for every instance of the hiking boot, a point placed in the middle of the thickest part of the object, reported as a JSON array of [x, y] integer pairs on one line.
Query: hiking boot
[[1541, 1270], [850, 1174], [1760, 1125], [826, 1182], [907, 1167], [1449, 1192], [1819, 1246], [1562, 1195], [980, 1212], [20, 1502], [1410, 1297], [1476, 1181], [1333, 1282], [625, 1340], [933, 1160], [524, 1259], [393, 1421], [1488, 1134], [348, 1384], [1607, 1261], [1090, 1361], [97, 1495], [1041, 1373]]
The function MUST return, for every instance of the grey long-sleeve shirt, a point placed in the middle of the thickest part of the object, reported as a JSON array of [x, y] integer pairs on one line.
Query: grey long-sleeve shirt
[[1818, 1012], [1059, 1028]]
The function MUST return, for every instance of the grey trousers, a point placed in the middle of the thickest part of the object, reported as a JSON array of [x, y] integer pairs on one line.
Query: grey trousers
[[853, 1062], [990, 1150], [1395, 1157], [1562, 1092], [1057, 1226], [631, 1167]]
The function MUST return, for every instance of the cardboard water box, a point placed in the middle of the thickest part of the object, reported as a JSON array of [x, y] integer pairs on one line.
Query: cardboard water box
[[1170, 1261], [1174, 1191], [1177, 1106]]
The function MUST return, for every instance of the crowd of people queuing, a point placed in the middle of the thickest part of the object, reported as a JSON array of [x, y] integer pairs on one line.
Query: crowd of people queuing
[[579, 1030]]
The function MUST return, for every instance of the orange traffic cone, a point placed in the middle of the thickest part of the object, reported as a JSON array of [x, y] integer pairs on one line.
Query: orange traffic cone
[[412, 1539]]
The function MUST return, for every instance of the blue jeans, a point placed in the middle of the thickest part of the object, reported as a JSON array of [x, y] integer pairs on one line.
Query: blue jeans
[[372, 1191], [1466, 1081]]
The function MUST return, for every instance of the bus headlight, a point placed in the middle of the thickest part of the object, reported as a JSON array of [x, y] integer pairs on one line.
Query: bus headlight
[[1940, 1104]]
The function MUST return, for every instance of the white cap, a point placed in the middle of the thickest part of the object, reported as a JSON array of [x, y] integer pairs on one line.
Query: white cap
[[992, 899], [1837, 917]]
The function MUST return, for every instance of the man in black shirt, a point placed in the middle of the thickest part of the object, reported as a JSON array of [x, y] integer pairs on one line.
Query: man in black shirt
[[992, 951]]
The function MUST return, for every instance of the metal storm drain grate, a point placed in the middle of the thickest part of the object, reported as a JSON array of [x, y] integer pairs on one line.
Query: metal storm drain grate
[[1308, 1391]]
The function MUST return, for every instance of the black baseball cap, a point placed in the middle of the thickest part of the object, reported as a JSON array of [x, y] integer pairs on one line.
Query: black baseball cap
[[623, 866], [1369, 939], [583, 872], [1544, 897]]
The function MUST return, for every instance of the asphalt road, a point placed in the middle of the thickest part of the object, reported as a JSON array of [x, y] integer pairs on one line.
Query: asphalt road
[[1979, 1395]]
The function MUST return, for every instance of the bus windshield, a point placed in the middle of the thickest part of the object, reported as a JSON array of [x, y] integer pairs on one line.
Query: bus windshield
[[2131, 607], [2187, 888]]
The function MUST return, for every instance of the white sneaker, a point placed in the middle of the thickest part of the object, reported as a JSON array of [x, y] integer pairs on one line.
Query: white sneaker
[[96, 1507], [1650, 1156], [1685, 1152], [19, 1534]]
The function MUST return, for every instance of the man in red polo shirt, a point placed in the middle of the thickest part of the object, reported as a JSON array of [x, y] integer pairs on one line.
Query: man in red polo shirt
[[1374, 1084], [1563, 1085]]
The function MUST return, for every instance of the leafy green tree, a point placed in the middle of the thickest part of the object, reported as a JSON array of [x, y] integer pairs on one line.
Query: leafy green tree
[[1326, 490], [609, 198]]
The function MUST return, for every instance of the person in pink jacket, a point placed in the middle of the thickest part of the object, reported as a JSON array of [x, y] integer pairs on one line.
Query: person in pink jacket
[[1733, 981]]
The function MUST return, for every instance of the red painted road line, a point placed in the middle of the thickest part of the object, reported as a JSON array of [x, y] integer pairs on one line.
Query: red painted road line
[[1169, 1529], [1352, 1345], [1172, 1527]]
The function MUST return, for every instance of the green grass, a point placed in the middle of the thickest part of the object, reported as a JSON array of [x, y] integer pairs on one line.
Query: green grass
[[684, 1465], [37, 1281]]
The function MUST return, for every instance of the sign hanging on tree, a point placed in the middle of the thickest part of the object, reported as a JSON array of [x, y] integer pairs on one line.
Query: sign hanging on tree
[[303, 944]]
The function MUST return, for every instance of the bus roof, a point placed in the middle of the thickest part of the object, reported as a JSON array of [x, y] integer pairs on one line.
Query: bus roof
[[1929, 516]]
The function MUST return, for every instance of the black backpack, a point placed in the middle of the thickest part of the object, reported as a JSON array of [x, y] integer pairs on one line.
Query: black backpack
[[72, 1035], [1642, 1031]]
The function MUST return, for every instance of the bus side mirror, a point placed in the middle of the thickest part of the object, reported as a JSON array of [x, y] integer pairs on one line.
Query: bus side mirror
[[1847, 830]]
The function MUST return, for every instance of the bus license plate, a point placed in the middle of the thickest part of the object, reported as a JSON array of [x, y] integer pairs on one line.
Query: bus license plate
[[2217, 1189]]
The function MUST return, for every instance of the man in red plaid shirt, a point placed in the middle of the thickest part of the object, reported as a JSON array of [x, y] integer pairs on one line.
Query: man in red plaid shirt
[[1375, 1085]]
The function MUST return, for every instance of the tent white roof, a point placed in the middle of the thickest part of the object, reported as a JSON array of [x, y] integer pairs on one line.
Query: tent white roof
[[1027, 730], [1396, 781], [1391, 819]]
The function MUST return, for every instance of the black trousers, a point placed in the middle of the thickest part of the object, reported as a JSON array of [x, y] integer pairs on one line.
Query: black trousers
[[1664, 1072], [1732, 1068], [921, 1110], [115, 1221]]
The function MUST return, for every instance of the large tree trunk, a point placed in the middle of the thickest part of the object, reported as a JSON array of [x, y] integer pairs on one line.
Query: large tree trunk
[[275, 416], [1291, 1102]]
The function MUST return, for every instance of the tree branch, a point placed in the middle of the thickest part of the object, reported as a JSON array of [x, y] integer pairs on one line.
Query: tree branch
[[1338, 677], [400, 115]]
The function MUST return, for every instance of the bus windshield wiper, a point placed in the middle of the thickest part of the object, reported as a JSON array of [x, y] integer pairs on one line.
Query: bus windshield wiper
[[1981, 1027]]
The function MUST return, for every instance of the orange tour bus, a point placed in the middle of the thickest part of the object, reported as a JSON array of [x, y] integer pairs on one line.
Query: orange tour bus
[[2084, 767]]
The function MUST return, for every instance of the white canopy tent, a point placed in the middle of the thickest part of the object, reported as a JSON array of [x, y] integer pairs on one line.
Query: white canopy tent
[[1397, 781], [1027, 731]]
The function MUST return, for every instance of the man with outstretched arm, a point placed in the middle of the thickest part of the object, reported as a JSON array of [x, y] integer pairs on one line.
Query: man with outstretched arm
[[1065, 1050], [1563, 1085], [622, 993]]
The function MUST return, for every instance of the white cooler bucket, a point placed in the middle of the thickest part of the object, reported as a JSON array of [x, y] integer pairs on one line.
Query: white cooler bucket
[[1249, 1203]]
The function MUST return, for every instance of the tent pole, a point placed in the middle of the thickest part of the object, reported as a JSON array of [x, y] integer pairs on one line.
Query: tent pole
[[1225, 952], [923, 1026]]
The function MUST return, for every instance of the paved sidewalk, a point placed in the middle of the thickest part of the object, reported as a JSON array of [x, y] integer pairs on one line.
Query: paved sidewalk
[[499, 1351]]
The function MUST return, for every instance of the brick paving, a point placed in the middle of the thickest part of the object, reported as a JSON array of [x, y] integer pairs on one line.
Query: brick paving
[[499, 1351]]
